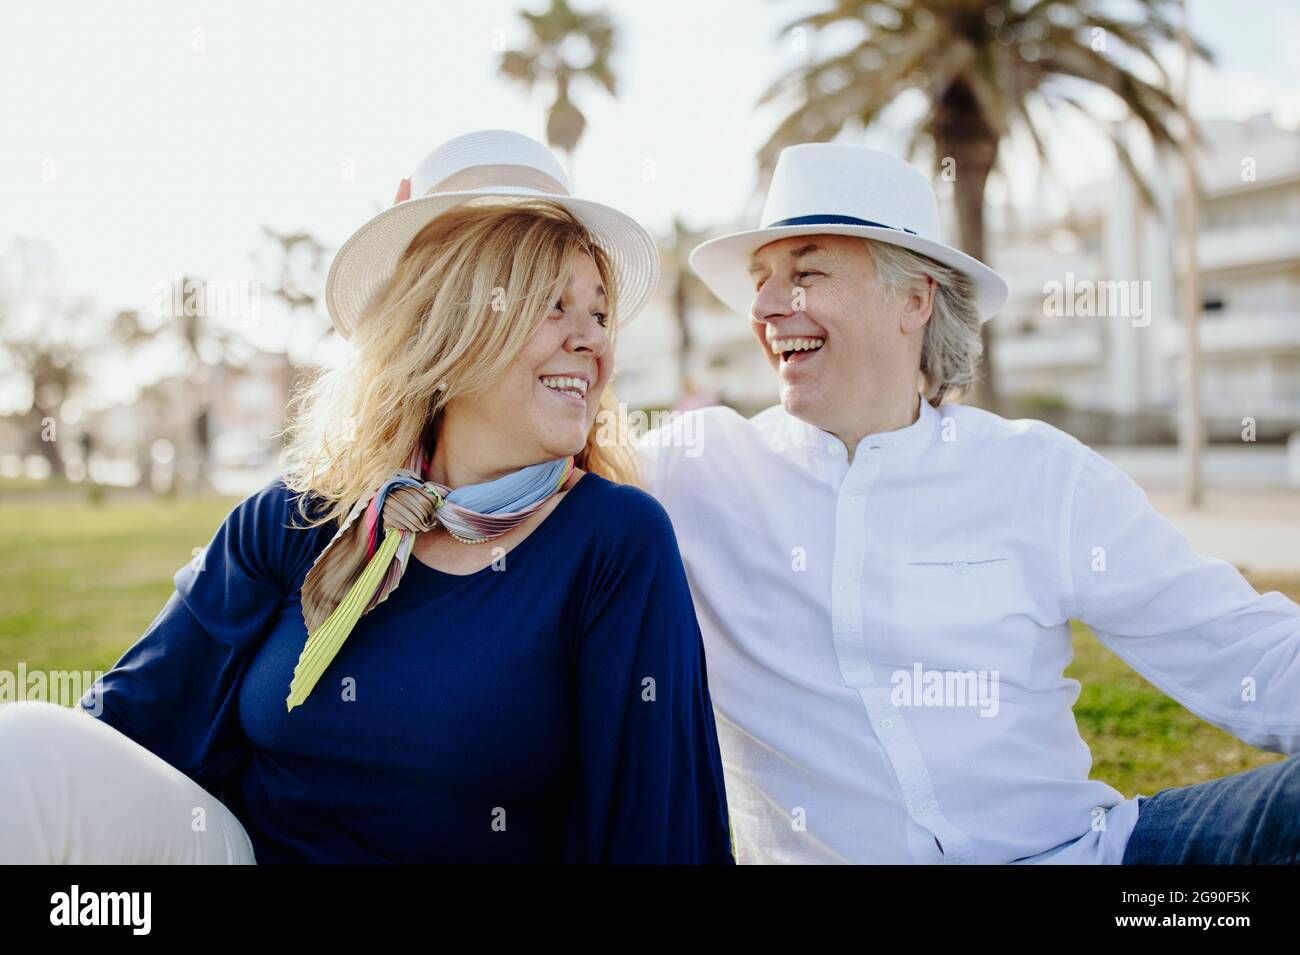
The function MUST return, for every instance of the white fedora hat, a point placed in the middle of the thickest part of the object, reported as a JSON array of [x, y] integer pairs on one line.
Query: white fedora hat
[[839, 189], [490, 162]]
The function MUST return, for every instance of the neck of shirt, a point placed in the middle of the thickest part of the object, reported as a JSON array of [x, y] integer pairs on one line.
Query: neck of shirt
[[912, 437]]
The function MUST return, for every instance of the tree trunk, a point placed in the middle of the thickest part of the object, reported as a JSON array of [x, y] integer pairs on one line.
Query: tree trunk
[[680, 309], [962, 135], [203, 443], [48, 449]]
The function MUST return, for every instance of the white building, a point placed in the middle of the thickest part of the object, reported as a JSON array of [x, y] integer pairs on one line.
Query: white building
[[1123, 365]]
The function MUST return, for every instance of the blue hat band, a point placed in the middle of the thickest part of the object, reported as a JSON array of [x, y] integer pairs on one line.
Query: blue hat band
[[834, 220]]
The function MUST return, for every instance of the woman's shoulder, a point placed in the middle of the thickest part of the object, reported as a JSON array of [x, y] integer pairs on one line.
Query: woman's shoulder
[[271, 521], [624, 512], [622, 547]]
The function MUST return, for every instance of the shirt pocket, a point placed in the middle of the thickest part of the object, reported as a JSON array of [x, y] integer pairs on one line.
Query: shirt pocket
[[955, 610]]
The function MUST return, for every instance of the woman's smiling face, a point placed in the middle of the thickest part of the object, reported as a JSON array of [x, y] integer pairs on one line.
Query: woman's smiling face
[[544, 406]]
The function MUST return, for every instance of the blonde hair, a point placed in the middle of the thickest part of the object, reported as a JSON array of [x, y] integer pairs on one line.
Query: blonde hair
[[467, 294], [951, 349]]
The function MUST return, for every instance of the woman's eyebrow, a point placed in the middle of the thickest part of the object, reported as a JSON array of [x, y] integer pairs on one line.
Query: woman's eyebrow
[[599, 290]]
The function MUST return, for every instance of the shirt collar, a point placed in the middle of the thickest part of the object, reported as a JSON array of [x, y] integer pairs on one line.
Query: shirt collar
[[914, 436]]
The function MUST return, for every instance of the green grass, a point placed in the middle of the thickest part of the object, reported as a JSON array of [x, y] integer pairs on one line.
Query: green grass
[[1141, 740], [79, 583]]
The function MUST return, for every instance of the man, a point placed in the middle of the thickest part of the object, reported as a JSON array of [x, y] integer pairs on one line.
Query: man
[[885, 580]]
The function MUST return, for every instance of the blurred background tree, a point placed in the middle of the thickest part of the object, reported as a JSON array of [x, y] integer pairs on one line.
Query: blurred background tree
[[206, 344], [49, 337], [685, 290], [297, 263], [564, 47]]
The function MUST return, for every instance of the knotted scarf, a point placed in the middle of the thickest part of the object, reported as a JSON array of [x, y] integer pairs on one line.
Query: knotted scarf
[[357, 570]]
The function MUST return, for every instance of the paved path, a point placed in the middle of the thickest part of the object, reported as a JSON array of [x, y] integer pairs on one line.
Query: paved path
[[1256, 530]]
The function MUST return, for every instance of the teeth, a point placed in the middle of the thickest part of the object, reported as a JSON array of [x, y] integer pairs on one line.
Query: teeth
[[780, 345], [568, 386]]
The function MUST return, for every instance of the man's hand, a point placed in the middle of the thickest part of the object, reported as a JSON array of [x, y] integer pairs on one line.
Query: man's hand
[[403, 192]]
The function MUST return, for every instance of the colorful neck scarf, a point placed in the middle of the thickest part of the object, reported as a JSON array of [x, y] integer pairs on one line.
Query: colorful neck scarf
[[356, 570]]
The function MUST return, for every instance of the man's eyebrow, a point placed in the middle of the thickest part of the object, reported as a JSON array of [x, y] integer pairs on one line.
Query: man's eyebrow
[[807, 248]]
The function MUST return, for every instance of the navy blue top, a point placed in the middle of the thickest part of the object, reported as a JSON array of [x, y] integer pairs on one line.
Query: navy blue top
[[555, 710]]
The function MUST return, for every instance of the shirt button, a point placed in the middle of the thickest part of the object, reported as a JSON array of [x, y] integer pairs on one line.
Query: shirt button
[[845, 586], [886, 724], [834, 450], [959, 566]]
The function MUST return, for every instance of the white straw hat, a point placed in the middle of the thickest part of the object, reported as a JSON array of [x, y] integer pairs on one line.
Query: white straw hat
[[839, 189], [490, 162]]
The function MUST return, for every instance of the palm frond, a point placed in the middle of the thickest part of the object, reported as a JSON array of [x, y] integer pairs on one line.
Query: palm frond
[[824, 114], [1121, 151], [1147, 102]]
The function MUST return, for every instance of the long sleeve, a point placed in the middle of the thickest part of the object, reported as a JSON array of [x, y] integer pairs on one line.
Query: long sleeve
[[1190, 624], [175, 690], [650, 454], [661, 449], [651, 783]]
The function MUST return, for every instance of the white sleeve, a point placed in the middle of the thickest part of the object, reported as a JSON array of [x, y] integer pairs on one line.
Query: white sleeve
[[1191, 625], [650, 448]]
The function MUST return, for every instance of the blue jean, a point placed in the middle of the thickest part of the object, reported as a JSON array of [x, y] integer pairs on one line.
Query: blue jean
[[1251, 817]]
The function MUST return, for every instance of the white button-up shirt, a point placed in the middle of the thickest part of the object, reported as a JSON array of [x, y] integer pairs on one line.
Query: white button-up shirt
[[886, 638]]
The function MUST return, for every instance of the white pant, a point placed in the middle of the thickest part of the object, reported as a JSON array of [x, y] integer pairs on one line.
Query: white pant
[[75, 790]]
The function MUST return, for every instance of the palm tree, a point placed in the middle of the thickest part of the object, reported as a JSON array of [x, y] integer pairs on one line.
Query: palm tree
[[980, 64], [564, 46], [674, 254], [296, 260]]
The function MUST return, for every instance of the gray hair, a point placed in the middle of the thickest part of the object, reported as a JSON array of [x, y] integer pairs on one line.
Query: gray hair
[[951, 349]]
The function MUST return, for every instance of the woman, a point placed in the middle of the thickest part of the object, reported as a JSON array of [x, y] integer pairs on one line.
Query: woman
[[449, 632]]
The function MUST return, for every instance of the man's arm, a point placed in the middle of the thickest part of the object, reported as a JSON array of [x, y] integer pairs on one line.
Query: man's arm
[[1190, 624]]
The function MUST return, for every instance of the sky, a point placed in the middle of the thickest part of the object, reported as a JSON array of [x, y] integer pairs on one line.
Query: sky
[[153, 138]]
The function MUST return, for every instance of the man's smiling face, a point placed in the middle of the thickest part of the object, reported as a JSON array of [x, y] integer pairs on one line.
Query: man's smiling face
[[836, 341]]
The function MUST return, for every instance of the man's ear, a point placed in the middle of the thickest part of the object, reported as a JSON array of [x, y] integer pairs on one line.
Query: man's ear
[[917, 306]]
